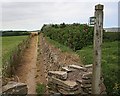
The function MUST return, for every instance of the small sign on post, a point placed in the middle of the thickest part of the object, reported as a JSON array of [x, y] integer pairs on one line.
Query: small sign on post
[[92, 20]]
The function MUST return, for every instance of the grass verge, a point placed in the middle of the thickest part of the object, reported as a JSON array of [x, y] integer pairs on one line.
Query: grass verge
[[58, 45], [110, 63]]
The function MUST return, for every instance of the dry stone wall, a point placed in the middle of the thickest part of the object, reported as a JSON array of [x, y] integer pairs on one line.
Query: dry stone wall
[[66, 79], [77, 81], [49, 55]]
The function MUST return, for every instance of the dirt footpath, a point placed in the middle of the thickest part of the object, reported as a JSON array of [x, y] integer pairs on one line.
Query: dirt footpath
[[26, 70], [41, 67], [38, 59]]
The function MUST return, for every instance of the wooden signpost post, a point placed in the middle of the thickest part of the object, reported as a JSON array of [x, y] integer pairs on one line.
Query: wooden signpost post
[[98, 34]]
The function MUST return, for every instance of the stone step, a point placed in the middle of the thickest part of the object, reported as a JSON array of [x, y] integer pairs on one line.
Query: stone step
[[58, 74]]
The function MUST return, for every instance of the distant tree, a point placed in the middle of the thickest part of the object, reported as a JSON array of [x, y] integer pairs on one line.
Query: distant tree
[[62, 25]]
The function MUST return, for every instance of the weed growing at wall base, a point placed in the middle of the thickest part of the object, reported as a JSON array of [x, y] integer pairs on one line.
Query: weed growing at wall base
[[40, 89]]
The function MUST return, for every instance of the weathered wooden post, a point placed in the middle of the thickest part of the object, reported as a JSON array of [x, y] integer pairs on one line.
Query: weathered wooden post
[[98, 32]]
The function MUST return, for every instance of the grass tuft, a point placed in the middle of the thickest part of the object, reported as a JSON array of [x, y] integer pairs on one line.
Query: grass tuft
[[40, 89]]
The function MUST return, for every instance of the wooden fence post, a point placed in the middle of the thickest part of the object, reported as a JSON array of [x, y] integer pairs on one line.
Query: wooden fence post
[[98, 34]]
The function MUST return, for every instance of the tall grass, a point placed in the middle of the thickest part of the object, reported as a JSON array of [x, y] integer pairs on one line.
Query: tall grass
[[110, 68], [63, 48]]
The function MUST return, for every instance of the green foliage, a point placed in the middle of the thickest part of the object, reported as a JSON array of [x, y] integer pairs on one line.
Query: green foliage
[[86, 54], [10, 43], [75, 36], [40, 89], [111, 36], [62, 25], [110, 68], [60, 46]]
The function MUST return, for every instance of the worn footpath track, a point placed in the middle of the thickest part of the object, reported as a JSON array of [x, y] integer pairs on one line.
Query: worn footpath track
[[26, 71]]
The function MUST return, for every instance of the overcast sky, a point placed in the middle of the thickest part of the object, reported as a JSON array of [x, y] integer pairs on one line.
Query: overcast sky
[[32, 15]]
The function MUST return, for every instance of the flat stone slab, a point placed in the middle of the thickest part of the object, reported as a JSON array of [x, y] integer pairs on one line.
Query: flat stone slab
[[58, 74], [77, 67], [15, 88], [84, 81], [67, 84], [69, 93], [67, 89], [89, 75], [89, 66], [86, 86], [66, 69]]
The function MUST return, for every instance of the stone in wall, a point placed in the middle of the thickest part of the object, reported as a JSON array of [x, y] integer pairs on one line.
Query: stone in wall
[[77, 67], [58, 74], [89, 66], [66, 69], [14, 88]]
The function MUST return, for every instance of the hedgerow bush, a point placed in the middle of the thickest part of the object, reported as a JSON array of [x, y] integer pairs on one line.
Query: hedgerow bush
[[75, 36], [111, 36]]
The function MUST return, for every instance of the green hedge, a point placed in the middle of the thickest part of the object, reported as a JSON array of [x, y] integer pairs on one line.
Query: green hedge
[[15, 33], [75, 36], [111, 36]]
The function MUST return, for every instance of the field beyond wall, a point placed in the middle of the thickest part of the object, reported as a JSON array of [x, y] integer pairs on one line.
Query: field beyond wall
[[12, 49], [10, 43]]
